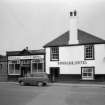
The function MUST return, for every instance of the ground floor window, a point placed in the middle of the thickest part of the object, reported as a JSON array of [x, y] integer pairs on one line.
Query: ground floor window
[[87, 73], [34, 67], [17, 68], [13, 68], [37, 66], [25, 67]]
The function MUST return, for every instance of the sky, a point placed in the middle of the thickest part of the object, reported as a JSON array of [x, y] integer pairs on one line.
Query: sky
[[34, 23]]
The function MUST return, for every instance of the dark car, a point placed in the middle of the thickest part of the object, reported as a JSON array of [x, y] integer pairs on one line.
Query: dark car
[[39, 79]]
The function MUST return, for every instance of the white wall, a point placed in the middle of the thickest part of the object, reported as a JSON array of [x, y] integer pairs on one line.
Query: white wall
[[100, 59], [48, 62], [76, 53]]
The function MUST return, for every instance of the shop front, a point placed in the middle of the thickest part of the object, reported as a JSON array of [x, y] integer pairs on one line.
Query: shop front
[[23, 65]]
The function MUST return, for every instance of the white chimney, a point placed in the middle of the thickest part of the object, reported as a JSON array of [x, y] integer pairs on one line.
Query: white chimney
[[73, 28]]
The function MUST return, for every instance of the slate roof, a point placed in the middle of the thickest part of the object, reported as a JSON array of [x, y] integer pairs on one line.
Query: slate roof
[[25, 52], [83, 37]]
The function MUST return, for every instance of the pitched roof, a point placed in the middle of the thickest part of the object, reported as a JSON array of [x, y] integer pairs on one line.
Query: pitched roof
[[25, 52], [83, 37]]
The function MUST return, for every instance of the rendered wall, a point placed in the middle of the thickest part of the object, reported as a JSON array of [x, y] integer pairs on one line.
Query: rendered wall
[[74, 54]]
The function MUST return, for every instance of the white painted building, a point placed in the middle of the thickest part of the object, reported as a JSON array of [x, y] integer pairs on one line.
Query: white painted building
[[76, 55]]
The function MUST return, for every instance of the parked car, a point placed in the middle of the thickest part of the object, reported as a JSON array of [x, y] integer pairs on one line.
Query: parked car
[[39, 79]]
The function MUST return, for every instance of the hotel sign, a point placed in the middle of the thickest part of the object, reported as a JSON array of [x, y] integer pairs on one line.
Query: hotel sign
[[71, 62], [25, 57]]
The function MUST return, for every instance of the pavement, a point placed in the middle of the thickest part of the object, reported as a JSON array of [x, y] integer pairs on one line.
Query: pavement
[[81, 84], [61, 93], [49, 97], [57, 94]]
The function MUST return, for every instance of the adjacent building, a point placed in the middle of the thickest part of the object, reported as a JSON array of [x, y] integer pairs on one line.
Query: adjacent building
[[22, 63], [75, 55], [3, 68]]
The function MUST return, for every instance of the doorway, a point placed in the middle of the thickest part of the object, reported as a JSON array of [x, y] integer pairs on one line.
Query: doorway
[[54, 74], [25, 71]]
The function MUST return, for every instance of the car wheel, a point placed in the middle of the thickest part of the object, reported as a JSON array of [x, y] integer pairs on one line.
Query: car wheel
[[40, 84], [45, 84], [22, 83]]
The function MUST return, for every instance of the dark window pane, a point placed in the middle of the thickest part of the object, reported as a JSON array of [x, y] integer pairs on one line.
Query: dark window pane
[[89, 51], [89, 74], [84, 74], [11, 68], [89, 70], [54, 53], [17, 68], [34, 67], [40, 67]]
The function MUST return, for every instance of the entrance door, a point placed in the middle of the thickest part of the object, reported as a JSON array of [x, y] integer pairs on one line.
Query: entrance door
[[54, 73], [87, 73], [25, 71]]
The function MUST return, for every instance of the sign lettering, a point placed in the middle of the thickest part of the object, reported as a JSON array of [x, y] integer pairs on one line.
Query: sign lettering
[[25, 57], [71, 62]]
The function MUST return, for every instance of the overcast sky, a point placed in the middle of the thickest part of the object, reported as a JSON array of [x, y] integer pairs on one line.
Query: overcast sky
[[33, 23]]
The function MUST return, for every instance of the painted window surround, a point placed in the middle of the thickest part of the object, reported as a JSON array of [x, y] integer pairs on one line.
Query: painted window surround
[[87, 73], [37, 66], [89, 52], [14, 70], [54, 54]]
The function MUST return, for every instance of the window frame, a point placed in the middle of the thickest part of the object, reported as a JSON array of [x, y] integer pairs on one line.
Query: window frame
[[54, 53], [87, 77], [37, 65], [14, 66], [89, 52]]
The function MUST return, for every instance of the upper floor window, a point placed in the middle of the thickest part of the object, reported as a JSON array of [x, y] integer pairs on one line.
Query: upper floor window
[[54, 53], [89, 52]]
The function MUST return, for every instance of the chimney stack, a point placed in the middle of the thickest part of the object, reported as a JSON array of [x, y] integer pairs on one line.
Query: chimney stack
[[73, 28]]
